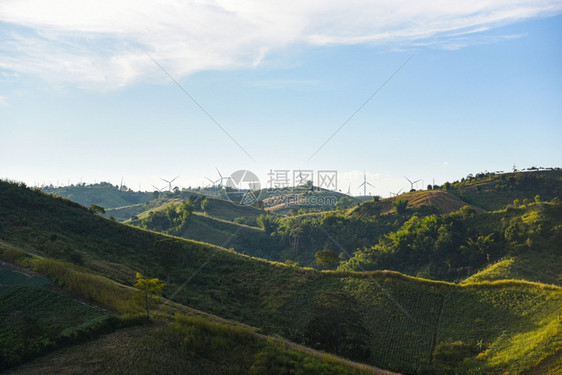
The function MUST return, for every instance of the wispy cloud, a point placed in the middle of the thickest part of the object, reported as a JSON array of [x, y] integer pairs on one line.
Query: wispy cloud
[[103, 43]]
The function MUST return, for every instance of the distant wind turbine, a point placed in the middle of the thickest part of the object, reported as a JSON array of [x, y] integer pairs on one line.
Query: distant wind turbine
[[213, 183], [365, 183], [411, 183], [222, 178], [169, 182], [395, 194]]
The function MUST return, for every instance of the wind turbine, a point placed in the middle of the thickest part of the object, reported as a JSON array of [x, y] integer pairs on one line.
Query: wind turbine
[[169, 182], [213, 183], [365, 183], [222, 178], [411, 183], [157, 188], [349, 189]]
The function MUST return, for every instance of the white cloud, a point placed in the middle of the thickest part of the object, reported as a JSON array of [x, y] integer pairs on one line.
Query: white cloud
[[103, 43]]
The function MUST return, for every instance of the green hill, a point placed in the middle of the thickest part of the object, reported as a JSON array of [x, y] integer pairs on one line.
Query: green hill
[[214, 207], [189, 346], [491, 191], [201, 226], [102, 194], [303, 198], [433, 201], [381, 318]]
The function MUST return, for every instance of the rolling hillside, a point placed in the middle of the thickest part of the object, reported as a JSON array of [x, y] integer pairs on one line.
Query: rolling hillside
[[436, 201], [282, 201], [382, 318], [495, 191], [102, 194], [183, 347]]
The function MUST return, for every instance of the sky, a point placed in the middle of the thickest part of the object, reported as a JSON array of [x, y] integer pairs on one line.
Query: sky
[[101, 90]]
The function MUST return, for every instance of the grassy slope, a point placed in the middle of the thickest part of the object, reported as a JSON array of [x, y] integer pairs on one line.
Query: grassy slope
[[102, 194], [213, 230], [440, 201], [36, 315], [282, 201], [265, 294], [543, 266], [217, 232], [494, 192], [226, 210], [217, 208], [191, 346]]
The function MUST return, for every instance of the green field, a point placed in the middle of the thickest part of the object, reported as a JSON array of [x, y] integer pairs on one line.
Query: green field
[[37, 316], [382, 318]]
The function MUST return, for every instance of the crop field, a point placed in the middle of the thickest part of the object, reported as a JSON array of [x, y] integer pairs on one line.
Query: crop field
[[37, 317]]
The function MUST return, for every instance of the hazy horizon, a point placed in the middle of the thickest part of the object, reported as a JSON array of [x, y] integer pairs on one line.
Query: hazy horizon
[[89, 92]]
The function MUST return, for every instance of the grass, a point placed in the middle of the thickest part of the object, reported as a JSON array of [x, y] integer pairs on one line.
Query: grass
[[516, 321], [37, 317], [187, 345], [494, 192], [405, 318]]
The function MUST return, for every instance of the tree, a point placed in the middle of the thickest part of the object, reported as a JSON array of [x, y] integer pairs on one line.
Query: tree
[[205, 204], [149, 290], [537, 198], [327, 259], [268, 223], [95, 209], [400, 205]]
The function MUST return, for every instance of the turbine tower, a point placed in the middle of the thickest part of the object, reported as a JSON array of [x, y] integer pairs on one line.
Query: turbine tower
[[365, 183]]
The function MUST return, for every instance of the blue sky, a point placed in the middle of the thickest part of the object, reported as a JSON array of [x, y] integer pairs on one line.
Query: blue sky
[[80, 99]]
